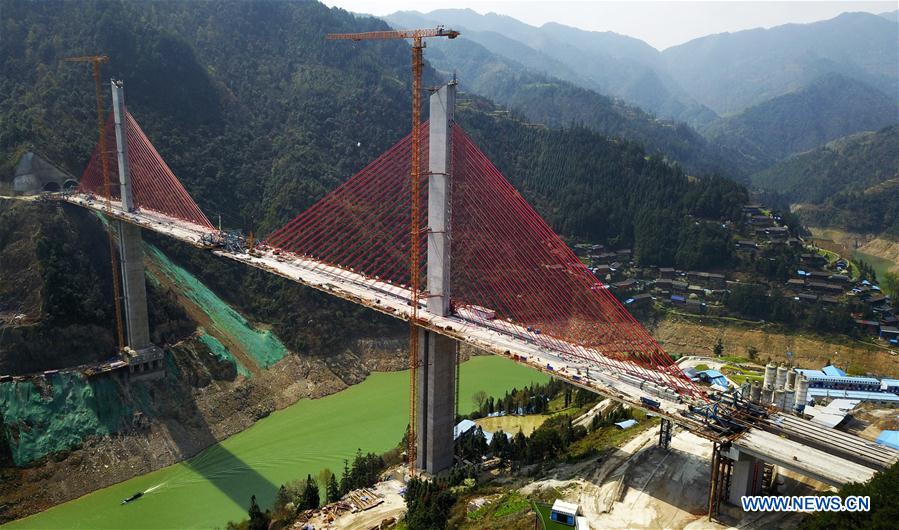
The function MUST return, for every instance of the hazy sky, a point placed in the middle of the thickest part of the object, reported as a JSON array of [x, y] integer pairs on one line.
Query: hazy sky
[[661, 24]]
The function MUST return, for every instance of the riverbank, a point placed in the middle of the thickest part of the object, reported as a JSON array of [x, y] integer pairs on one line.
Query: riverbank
[[880, 251], [215, 486], [153, 424], [66, 434]]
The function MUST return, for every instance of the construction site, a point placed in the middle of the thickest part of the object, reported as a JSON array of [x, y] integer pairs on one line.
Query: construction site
[[599, 426]]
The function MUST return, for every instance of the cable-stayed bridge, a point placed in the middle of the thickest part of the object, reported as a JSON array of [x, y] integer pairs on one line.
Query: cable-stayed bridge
[[496, 277]]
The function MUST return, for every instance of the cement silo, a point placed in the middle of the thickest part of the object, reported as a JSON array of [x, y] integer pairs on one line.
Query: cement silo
[[778, 399], [789, 400], [755, 393], [801, 393], [781, 377], [770, 370], [767, 395], [791, 380]]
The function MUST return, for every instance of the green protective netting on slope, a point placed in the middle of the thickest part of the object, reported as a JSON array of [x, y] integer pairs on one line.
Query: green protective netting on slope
[[218, 349], [265, 348], [69, 410]]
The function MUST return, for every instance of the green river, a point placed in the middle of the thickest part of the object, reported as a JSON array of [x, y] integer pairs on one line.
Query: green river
[[215, 486]]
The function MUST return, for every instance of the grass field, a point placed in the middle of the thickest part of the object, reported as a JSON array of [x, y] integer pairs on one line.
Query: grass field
[[513, 424]]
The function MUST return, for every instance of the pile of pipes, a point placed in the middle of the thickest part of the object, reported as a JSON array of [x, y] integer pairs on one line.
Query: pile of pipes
[[783, 388]]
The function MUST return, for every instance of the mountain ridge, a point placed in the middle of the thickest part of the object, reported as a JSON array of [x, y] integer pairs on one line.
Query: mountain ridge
[[704, 76], [830, 107], [851, 182]]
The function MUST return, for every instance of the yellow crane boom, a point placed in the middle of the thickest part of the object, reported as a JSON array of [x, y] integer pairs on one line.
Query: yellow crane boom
[[397, 34]]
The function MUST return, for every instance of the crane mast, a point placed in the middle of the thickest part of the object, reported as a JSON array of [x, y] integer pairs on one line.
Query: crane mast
[[96, 61], [417, 36]]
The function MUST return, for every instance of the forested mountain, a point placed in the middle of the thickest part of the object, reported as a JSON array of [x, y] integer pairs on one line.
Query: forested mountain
[[729, 72], [606, 62], [620, 196], [723, 74], [788, 89], [831, 107], [852, 182], [549, 100], [259, 116]]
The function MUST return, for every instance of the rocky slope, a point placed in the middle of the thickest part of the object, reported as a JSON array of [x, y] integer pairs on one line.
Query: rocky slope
[[201, 401]]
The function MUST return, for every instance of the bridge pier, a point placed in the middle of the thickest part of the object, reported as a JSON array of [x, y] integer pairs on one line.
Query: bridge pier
[[746, 475], [145, 359], [735, 474], [436, 402], [666, 430], [436, 411]]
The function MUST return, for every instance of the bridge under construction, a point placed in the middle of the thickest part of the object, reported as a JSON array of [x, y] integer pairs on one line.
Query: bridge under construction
[[495, 277]]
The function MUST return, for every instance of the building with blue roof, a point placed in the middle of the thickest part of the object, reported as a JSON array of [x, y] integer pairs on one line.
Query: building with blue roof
[[889, 439], [626, 424], [831, 393], [821, 379], [691, 374], [890, 385], [714, 377], [833, 371]]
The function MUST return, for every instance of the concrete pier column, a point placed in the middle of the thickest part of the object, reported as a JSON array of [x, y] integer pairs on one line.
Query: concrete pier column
[[435, 414], [142, 355], [134, 289], [442, 104], [746, 478]]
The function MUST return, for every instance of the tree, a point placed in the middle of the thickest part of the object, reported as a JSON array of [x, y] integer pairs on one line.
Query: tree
[[345, 479], [719, 348], [311, 496], [259, 520], [283, 497], [332, 490], [583, 397], [324, 476], [428, 503], [479, 398], [752, 352], [890, 285], [884, 492]]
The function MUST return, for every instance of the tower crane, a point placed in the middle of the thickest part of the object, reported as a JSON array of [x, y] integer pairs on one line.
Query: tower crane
[[96, 61], [418, 45]]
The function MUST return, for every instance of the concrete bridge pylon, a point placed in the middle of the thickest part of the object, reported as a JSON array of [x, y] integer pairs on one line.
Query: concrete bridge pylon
[[435, 414], [144, 358]]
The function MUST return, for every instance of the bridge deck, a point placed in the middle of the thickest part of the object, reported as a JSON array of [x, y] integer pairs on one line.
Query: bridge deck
[[801, 458], [611, 379], [848, 446]]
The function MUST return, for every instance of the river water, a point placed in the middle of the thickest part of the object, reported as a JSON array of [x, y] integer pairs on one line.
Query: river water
[[215, 486]]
